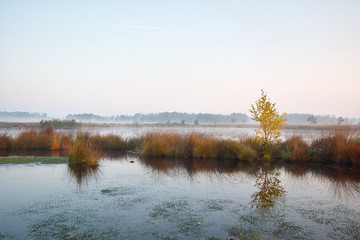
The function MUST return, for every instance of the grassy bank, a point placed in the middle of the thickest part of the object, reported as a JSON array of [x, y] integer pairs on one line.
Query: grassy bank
[[341, 146], [42, 160]]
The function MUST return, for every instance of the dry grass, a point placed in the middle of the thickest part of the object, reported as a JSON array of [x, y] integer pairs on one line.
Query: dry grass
[[5, 142], [83, 152], [195, 146], [162, 145], [341, 146], [30, 139], [294, 149], [108, 142], [46, 139]]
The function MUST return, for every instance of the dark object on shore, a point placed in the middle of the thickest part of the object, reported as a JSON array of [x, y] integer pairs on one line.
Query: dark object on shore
[[132, 161]]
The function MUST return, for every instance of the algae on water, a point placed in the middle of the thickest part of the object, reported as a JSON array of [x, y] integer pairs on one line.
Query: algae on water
[[24, 160]]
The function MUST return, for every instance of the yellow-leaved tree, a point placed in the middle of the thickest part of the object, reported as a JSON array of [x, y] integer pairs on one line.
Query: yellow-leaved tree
[[271, 123]]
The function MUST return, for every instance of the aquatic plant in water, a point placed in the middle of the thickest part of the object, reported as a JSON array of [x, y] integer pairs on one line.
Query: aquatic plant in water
[[82, 152]]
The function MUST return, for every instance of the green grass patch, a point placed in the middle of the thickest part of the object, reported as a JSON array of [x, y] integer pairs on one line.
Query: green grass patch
[[24, 160]]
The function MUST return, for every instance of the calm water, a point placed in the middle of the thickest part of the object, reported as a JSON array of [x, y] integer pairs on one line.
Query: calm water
[[178, 199]]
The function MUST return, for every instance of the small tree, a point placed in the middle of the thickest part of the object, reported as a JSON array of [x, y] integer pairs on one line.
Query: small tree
[[271, 122], [340, 120], [312, 119]]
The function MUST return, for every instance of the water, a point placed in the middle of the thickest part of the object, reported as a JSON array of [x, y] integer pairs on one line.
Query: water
[[178, 199]]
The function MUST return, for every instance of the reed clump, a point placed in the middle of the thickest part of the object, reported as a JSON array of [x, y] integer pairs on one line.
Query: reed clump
[[31, 139], [163, 145], [336, 148], [197, 146], [294, 149], [5, 142], [46, 139], [108, 142], [84, 153]]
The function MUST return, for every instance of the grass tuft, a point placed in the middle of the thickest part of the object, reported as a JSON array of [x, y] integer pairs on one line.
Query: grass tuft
[[82, 152]]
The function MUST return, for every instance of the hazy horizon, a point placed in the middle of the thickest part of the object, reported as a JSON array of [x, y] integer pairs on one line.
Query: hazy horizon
[[126, 57]]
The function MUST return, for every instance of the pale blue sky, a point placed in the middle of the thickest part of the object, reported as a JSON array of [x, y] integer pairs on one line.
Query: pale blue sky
[[123, 57]]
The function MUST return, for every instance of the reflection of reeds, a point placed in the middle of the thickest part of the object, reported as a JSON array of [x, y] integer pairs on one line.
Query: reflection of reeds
[[345, 182], [194, 167], [83, 173]]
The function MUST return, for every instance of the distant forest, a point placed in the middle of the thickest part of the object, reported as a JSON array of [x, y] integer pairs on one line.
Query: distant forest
[[166, 117], [22, 116], [176, 117]]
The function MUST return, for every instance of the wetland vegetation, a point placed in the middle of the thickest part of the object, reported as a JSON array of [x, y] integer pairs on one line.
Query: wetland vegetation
[[341, 146]]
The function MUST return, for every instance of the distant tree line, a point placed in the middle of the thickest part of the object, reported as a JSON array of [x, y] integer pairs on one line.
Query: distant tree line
[[178, 117], [207, 118], [165, 117], [4, 114]]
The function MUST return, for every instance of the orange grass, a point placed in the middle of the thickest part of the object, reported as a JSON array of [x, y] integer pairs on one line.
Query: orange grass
[[82, 152], [294, 149], [341, 146], [108, 142], [5, 142], [194, 146]]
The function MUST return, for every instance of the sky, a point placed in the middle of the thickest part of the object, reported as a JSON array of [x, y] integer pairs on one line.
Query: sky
[[127, 56]]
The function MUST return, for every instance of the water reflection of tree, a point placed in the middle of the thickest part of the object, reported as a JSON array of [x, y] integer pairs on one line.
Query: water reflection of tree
[[270, 189], [344, 182], [83, 173]]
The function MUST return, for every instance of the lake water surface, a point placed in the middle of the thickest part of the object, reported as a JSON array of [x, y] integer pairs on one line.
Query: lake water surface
[[178, 199]]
